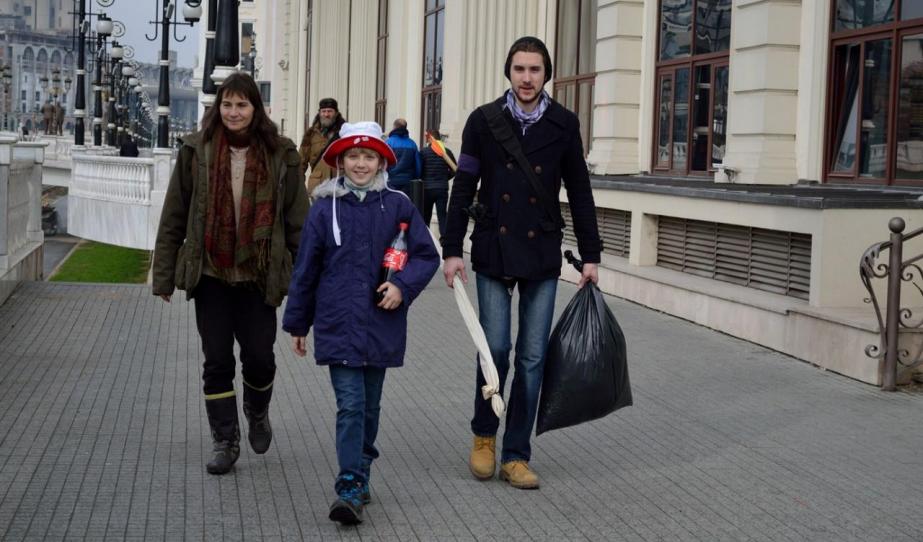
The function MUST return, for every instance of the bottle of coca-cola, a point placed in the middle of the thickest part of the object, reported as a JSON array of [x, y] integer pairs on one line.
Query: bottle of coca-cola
[[395, 259]]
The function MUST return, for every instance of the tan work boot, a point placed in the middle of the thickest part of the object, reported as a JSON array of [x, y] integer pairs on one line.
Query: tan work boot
[[483, 458], [519, 475]]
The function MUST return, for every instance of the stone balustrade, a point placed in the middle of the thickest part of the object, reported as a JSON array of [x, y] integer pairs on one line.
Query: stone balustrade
[[112, 178], [114, 199], [20, 212]]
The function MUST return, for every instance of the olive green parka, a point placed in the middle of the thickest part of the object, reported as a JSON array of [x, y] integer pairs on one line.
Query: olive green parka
[[179, 251]]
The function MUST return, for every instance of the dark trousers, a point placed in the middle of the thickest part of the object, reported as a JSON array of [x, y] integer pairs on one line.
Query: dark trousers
[[225, 313], [440, 198]]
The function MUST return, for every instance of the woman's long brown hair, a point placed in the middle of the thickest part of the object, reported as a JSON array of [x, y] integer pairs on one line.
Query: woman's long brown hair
[[262, 129]]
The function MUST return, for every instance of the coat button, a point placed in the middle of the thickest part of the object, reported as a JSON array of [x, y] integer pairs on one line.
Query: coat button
[[509, 165], [538, 170], [503, 230], [506, 198], [531, 234], [532, 200]]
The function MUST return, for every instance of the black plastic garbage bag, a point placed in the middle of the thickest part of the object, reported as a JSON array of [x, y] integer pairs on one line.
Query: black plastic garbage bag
[[586, 366]]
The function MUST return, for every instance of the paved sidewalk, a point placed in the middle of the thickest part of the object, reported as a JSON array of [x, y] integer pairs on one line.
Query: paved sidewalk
[[103, 437]]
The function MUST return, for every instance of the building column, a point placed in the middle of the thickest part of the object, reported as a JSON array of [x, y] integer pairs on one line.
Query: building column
[[763, 93], [812, 89], [617, 92]]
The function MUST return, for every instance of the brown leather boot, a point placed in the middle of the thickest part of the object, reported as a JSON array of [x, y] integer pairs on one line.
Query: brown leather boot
[[483, 459], [519, 475]]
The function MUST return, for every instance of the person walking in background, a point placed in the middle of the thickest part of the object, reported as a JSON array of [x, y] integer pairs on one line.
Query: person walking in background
[[59, 110], [128, 148], [334, 286], [520, 147], [229, 230], [323, 131], [48, 112], [436, 175], [409, 165]]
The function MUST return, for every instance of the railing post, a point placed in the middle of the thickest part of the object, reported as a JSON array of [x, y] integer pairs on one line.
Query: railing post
[[892, 321]]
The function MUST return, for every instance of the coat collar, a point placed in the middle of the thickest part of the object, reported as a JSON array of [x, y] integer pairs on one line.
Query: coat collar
[[544, 132]]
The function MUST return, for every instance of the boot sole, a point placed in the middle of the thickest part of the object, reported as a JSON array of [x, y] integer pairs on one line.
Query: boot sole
[[344, 515], [479, 476], [258, 449], [517, 485], [219, 472]]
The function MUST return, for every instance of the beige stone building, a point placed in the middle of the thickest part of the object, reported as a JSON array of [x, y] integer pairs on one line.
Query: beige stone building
[[744, 153]]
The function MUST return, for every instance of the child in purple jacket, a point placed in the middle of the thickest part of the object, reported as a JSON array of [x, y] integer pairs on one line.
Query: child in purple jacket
[[353, 220]]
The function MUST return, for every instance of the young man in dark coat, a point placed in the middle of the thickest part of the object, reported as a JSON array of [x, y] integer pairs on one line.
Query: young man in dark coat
[[517, 243]]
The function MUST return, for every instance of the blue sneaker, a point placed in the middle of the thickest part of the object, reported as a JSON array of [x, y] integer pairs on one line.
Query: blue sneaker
[[347, 509]]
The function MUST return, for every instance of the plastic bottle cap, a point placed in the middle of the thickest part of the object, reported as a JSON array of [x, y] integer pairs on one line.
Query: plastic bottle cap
[[403, 226]]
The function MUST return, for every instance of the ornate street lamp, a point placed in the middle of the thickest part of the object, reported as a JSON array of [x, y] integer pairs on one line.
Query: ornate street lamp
[[116, 53], [6, 78], [163, 18]]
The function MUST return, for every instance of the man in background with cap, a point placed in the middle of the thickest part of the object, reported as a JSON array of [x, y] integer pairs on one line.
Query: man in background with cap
[[520, 147], [323, 131]]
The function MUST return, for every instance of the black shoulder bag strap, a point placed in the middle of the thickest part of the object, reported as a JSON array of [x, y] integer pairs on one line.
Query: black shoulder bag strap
[[501, 131]]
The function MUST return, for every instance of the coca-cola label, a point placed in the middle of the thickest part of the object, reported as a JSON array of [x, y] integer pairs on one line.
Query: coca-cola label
[[394, 259]]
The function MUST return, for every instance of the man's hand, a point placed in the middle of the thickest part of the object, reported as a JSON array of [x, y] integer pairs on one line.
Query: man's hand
[[165, 297], [454, 265], [298, 346], [590, 273], [393, 296]]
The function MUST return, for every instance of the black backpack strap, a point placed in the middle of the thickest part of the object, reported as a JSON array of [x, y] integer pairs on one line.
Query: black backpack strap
[[501, 131]]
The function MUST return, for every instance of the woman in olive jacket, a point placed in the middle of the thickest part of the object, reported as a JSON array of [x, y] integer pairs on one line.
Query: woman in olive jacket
[[229, 230]]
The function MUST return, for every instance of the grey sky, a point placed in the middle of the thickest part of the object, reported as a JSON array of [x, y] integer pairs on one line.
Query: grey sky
[[136, 14]]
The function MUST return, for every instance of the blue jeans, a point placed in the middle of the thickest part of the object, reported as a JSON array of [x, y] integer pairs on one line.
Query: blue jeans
[[358, 393], [536, 311]]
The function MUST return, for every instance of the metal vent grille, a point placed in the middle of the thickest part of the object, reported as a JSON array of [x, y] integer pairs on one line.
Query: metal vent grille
[[614, 229], [770, 260]]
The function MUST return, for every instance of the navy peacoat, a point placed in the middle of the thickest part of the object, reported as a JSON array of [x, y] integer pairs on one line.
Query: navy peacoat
[[515, 238]]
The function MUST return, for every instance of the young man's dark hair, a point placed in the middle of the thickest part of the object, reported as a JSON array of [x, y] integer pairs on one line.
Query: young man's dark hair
[[529, 44], [515, 153]]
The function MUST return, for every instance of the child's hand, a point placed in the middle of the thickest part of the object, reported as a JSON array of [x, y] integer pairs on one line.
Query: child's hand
[[298, 346], [393, 296]]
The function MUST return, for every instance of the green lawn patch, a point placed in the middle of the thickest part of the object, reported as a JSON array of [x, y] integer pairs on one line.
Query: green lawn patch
[[98, 262]]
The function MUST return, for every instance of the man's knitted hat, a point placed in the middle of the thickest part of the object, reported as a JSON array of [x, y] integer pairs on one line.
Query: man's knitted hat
[[529, 44], [328, 103]]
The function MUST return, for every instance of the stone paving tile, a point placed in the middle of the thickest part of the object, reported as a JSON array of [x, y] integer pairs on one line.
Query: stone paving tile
[[103, 437]]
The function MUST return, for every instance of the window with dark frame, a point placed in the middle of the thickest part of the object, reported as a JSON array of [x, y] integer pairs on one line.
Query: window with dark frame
[[381, 79], [691, 89], [433, 37], [874, 127], [575, 65]]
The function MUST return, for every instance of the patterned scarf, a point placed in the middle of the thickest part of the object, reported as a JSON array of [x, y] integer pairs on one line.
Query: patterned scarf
[[527, 119], [244, 244]]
